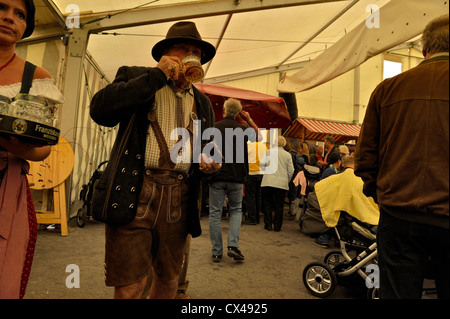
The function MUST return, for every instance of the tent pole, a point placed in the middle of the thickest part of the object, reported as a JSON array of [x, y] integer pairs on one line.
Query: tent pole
[[72, 85], [76, 51], [222, 33], [356, 94]]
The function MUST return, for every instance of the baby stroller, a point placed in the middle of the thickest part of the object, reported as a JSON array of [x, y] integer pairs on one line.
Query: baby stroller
[[307, 201], [358, 252], [84, 213]]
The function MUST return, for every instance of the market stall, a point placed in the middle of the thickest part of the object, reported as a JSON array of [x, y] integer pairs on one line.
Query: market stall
[[266, 110], [316, 130]]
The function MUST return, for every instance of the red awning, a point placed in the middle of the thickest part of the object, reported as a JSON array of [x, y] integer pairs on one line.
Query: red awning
[[266, 110], [309, 129]]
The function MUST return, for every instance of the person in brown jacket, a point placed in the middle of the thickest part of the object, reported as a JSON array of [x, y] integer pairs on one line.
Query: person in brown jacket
[[405, 113]]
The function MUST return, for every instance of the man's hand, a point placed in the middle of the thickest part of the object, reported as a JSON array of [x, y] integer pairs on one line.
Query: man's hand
[[170, 65], [245, 116], [207, 165]]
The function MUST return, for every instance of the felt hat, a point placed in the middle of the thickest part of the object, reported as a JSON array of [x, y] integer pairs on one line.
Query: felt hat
[[184, 31], [31, 11]]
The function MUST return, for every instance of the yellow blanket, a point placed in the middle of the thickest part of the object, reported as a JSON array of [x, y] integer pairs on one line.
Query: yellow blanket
[[343, 192]]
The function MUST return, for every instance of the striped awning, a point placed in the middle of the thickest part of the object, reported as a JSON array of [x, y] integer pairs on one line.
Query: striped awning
[[317, 130]]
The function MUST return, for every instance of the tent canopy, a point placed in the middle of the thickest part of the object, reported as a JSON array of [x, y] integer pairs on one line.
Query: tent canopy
[[263, 40], [384, 29], [267, 111], [251, 37], [317, 130]]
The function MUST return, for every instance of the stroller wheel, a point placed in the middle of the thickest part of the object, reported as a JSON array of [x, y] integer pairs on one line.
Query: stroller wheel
[[319, 279], [334, 258], [81, 217]]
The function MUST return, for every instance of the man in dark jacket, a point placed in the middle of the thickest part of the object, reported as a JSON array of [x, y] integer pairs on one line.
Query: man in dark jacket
[[330, 147], [148, 192], [407, 113], [230, 180]]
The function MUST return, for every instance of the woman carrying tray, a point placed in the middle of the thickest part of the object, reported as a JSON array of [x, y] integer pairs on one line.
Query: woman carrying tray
[[18, 226]]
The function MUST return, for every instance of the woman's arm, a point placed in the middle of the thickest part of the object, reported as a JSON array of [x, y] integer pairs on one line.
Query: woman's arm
[[29, 152]]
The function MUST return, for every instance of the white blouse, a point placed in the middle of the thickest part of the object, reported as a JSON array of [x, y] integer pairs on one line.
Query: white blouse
[[41, 87]]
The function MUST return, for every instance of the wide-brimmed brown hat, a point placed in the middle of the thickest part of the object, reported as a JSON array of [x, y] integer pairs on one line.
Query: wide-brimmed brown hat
[[184, 32]]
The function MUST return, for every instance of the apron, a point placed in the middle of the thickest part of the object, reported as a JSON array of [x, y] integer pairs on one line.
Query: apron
[[18, 224]]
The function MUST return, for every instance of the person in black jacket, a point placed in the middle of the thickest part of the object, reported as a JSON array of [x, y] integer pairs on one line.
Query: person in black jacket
[[230, 179], [148, 192]]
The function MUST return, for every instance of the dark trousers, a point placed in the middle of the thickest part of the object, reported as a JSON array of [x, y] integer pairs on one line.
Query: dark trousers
[[409, 252], [253, 197], [273, 200]]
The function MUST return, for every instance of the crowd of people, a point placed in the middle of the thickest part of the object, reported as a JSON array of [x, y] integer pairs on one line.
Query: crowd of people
[[148, 194]]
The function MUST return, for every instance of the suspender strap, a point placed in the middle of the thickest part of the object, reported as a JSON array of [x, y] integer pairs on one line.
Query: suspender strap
[[27, 78], [164, 158]]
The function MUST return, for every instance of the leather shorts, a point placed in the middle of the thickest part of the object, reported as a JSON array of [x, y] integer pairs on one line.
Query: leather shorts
[[157, 235]]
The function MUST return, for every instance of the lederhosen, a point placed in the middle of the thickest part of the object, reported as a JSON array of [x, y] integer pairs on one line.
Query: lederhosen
[[157, 235], [13, 172]]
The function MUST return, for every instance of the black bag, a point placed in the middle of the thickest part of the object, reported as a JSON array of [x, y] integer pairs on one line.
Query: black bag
[[104, 207]]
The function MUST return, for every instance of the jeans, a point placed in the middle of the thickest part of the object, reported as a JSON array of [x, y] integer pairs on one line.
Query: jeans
[[217, 192], [407, 253], [253, 197]]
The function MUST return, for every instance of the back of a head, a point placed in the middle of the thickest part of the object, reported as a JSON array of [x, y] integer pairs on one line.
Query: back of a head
[[305, 148], [281, 141], [330, 139], [334, 157], [232, 107], [288, 146], [348, 161], [435, 37]]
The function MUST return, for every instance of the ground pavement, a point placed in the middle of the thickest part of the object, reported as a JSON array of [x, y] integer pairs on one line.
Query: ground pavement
[[272, 269]]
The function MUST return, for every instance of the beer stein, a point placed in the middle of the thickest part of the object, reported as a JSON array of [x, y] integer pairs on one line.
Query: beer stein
[[29, 107], [30, 118], [5, 104], [192, 69]]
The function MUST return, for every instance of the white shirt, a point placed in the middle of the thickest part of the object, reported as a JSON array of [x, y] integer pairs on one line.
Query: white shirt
[[167, 116], [40, 87]]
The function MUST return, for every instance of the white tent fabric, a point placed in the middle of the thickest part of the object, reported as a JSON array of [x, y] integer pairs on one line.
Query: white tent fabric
[[399, 21], [251, 37], [258, 40]]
